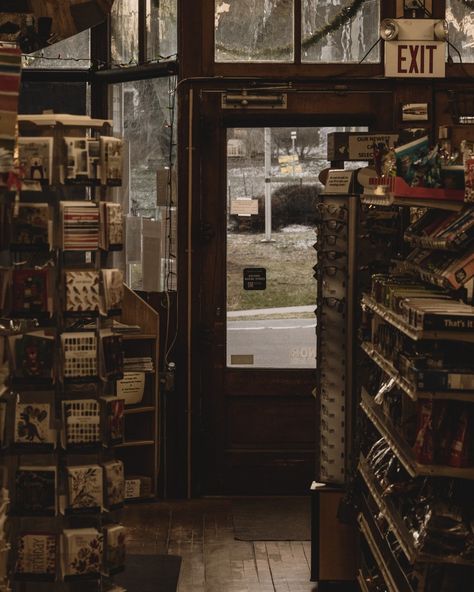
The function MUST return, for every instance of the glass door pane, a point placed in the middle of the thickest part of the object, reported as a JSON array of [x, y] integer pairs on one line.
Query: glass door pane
[[272, 187], [254, 30]]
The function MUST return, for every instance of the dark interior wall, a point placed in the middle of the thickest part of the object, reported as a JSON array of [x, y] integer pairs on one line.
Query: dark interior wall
[[59, 97]]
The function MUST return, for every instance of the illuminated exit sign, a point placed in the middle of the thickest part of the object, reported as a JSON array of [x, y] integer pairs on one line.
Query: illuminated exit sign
[[415, 59]]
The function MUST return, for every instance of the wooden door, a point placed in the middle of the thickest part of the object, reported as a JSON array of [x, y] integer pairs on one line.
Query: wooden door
[[257, 430]]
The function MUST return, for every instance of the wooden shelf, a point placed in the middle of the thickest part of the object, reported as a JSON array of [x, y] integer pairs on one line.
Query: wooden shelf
[[135, 443], [134, 410], [392, 200], [401, 449], [406, 386], [361, 582], [399, 323], [397, 526], [377, 554], [136, 336]]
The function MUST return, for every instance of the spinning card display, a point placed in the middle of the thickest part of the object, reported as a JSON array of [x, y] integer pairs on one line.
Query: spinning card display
[[33, 424], [35, 491], [82, 551], [32, 225], [111, 225], [36, 555], [85, 488], [79, 226], [82, 161], [32, 355], [111, 156], [113, 289], [36, 158], [30, 291], [114, 483], [81, 419], [82, 291], [79, 354], [114, 548], [114, 419]]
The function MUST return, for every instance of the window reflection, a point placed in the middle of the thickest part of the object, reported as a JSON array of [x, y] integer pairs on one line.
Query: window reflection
[[124, 25], [460, 20], [161, 25], [254, 30], [74, 52], [350, 42]]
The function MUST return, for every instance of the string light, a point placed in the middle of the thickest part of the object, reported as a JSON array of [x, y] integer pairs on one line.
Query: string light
[[98, 64]]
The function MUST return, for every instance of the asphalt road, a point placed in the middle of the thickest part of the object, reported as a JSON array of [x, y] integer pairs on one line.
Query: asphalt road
[[278, 343]]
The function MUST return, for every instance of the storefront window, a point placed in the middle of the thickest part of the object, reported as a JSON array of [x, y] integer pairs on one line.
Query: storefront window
[[124, 25], [254, 30], [144, 114], [74, 52], [348, 43], [460, 20], [161, 29]]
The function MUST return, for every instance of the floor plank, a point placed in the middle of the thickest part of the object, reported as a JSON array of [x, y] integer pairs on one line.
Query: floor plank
[[201, 532]]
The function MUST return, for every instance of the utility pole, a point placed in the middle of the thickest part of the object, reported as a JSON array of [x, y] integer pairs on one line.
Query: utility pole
[[268, 186]]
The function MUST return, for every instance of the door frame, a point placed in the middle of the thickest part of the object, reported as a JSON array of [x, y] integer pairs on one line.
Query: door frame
[[203, 132]]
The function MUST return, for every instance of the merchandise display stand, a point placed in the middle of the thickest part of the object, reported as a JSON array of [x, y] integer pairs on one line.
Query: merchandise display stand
[[62, 416], [336, 282], [415, 472], [140, 451]]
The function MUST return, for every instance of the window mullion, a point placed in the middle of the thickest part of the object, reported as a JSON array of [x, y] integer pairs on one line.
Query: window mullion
[[142, 40], [297, 31]]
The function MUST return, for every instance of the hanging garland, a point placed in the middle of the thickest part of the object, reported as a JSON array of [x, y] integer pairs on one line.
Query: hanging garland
[[341, 18], [345, 15]]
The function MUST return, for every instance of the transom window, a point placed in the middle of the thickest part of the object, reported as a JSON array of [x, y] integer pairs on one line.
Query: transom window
[[323, 31]]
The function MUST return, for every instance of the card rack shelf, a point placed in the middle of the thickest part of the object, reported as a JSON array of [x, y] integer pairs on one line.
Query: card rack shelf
[[140, 452], [377, 426], [335, 320], [63, 457]]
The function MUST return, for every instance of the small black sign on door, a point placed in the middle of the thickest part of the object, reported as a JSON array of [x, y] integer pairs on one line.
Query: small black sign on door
[[255, 278]]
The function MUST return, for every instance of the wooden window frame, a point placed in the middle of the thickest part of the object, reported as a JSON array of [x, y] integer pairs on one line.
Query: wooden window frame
[[295, 68]]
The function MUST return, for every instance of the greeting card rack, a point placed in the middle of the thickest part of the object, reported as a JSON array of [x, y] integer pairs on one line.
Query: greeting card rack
[[335, 274], [416, 470], [62, 417]]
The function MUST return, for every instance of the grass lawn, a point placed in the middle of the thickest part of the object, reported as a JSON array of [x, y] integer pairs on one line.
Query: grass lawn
[[289, 263]]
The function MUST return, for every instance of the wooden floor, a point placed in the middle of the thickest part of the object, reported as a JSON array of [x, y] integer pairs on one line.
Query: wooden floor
[[201, 532]]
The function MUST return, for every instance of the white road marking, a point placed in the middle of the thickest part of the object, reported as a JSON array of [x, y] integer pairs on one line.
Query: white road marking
[[273, 328]]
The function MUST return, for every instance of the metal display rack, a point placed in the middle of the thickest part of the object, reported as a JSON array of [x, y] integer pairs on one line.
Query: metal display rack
[[335, 274]]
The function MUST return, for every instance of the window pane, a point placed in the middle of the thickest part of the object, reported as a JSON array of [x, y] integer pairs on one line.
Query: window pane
[[254, 30], [347, 44], [460, 20], [142, 113], [272, 188], [74, 52], [162, 29], [124, 26]]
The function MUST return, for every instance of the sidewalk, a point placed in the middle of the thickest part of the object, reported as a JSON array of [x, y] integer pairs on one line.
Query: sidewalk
[[270, 311]]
